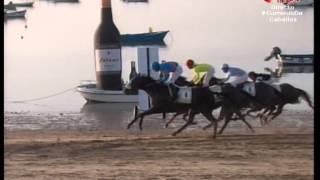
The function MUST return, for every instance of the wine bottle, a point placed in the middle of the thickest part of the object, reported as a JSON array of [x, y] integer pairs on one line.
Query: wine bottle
[[133, 71], [132, 74], [107, 47]]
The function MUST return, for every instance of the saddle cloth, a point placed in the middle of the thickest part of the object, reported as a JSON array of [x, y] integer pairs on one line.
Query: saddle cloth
[[250, 88], [276, 86], [184, 95]]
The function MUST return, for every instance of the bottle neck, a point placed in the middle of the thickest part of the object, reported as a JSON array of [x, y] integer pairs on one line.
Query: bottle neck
[[133, 66], [106, 15], [106, 11]]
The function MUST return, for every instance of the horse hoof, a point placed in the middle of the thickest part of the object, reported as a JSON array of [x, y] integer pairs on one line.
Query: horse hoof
[[174, 134]]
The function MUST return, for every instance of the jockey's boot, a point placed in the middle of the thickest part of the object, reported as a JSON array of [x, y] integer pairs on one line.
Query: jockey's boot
[[173, 91]]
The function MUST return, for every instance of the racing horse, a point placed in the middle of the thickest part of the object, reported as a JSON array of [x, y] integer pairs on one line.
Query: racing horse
[[202, 101]]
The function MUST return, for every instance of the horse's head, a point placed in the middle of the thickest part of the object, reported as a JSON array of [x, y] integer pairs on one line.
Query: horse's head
[[275, 51], [138, 82]]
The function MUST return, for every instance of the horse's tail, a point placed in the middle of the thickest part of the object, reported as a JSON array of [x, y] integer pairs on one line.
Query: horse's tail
[[305, 96]]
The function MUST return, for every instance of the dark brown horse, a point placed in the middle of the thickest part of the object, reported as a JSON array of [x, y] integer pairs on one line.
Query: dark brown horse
[[202, 101], [290, 95]]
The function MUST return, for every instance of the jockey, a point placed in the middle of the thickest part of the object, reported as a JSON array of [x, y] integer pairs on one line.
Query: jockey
[[261, 77], [234, 76], [265, 78], [207, 69], [169, 71]]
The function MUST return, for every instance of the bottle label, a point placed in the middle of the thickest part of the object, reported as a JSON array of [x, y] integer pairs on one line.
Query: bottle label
[[108, 59]]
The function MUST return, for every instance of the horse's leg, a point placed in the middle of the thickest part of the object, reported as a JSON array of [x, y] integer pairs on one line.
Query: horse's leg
[[224, 125], [262, 121], [185, 116], [244, 120], [265, 119], [277, 113], [214, 121], [140, 123], [227, 116], [149, 111], [221, 116], [207, 126], [173, 117], [191, 117], [253, 110], [164, 115]]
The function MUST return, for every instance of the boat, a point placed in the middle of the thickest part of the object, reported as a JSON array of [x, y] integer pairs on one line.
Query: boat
[[90, 92], [12, 6], [300, 3], [143, 39], [9, 6], [297, 59], [290, 59], [66, 1], [298, 69], [128, 1], [15, 14], [23, 4]]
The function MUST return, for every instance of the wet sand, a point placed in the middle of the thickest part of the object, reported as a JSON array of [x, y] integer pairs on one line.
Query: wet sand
[[277, 151]]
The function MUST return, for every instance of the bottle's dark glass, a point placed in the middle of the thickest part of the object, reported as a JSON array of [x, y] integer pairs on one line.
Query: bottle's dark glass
[[107, 47], [132, 74], [133, 71]]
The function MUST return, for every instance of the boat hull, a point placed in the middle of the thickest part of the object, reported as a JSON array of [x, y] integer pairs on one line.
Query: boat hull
[[66, 1], [17, 14], [92, 94], [128, 1], [144, 39], [30, 4], [302, 59]]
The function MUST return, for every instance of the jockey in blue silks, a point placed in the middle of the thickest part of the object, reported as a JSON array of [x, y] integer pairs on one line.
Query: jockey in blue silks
[[170, 71]]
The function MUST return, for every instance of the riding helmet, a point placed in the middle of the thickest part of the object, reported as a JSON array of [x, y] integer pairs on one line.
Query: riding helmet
[[252, 74], [190, 63]]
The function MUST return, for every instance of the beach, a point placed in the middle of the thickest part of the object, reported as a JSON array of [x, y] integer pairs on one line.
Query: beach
[[277, 151]]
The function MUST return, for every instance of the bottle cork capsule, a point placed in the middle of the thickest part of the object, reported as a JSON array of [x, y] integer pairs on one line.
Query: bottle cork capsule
[[106, 3]]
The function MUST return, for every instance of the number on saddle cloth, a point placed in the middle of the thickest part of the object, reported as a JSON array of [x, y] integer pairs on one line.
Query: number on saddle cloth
[[182, 94]]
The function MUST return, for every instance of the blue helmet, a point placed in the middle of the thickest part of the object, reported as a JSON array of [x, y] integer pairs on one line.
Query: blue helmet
[[156, 66]]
